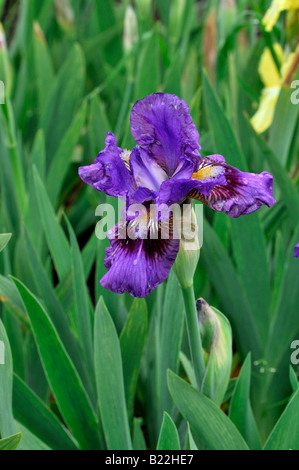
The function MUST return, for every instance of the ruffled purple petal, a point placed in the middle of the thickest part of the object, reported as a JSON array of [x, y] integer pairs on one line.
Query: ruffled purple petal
[[243, 193], [138, 265], [296, 253], [109, 172], [162, 124]]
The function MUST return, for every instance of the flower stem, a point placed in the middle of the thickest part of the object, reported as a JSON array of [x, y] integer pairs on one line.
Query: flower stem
[[194, 334]]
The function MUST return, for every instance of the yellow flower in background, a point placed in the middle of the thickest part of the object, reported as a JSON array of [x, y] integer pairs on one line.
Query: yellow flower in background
[[273, 82], [275, 9]]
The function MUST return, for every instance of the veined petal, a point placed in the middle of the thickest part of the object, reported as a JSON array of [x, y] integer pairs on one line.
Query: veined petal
[[109, 172], [296, 253], [243, 193], [162, 124], [138, 265], [199, 183]]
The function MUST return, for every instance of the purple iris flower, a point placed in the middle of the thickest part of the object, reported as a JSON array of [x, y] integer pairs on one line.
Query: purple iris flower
[[296, 251], [165, 168]]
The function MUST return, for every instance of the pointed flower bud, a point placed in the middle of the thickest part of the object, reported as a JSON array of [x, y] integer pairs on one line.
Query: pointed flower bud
[[216, 338], [65, 15], [131, 36], [188, 255]]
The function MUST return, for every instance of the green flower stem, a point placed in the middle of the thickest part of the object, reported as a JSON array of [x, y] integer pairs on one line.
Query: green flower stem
[[194, 335]]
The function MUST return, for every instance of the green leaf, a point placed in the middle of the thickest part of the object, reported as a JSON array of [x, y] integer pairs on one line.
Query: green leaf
[[224, 278], [284, 124], [63, 100], [43, 65], [138, 438], [56, 311], [107, 21], [169, 438], [110, 382], [147, 80], [7, 424], [55, 236], [11, 443], [190, 444], [82, 313], [4, 239], [132, 343], [247, 234], [285, 434], [98, 125], [210, 427], [171, 332], [30, 441], [240, 411], [288, 192], [32, 413], [186, 363], [11, 299], [294, 379], [2, 3], [285, 322], [67, 387], [62, 159]]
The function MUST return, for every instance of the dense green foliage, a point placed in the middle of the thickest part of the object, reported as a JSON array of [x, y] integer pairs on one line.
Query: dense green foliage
[[86, 368]]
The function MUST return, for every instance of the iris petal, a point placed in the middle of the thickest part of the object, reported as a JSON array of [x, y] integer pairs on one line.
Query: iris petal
[[296, 254], [146, 171], [139, 265], [196, 185], [162, 124], [109, 172], [243, 193]]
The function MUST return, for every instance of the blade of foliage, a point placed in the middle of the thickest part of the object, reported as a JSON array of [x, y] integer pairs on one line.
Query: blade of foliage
[[110, 382], [4, 239], [240, 411], [32, 412], [169, 438], [63, 378], [132, 343], [254, 270], [11, 442], [7, 424], [55, 236], [63, 100], [210, 427], [285, 434]]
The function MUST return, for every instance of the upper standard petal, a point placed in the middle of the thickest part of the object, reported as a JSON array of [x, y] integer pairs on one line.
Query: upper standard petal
[[162, 124]]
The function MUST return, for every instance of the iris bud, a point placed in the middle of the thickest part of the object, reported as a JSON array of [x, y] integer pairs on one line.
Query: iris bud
[[131, 36], [65, 15], [216, 338], [186, 228], [3, 56], [226, 19]]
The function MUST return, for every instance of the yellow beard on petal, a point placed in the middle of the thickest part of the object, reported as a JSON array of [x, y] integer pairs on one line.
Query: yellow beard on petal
[[125, 156], [207, 172]]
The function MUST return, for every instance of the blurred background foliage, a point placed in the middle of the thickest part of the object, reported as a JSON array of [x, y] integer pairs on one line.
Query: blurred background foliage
[[72, 71]]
